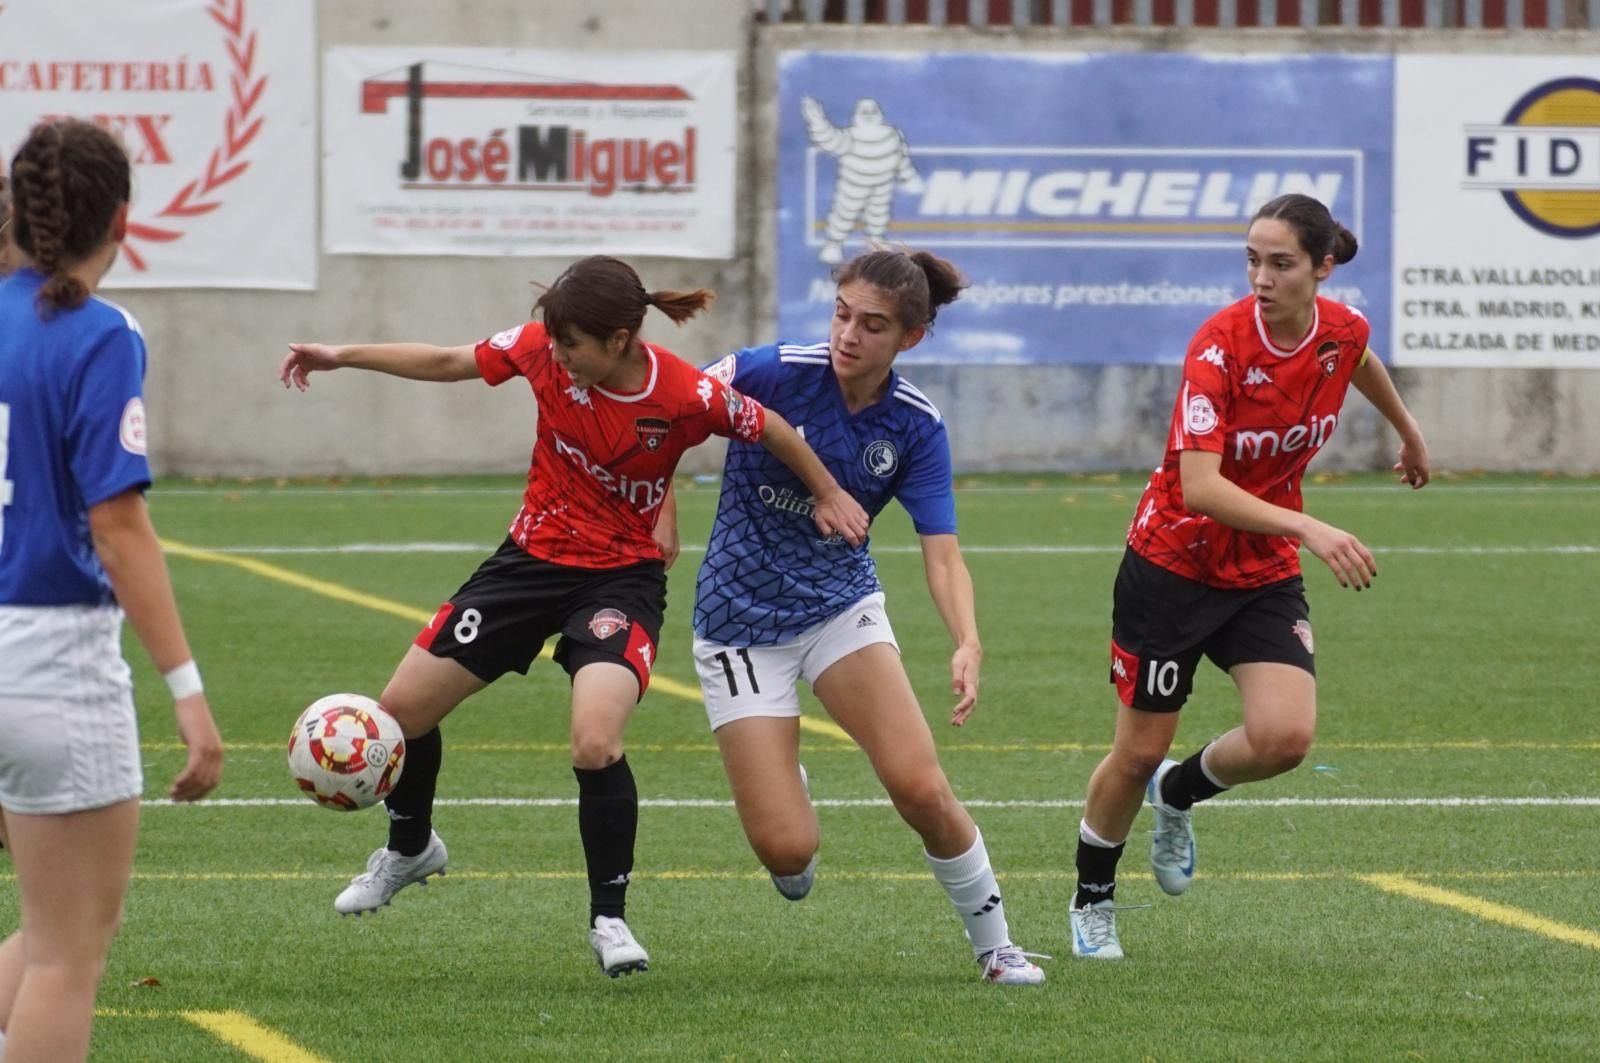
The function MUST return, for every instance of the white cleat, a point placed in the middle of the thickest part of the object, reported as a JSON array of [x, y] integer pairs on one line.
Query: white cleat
[[1094, 932], [795, 887], [1172, 848], [388, 873], [1009, 965], [616, 949]]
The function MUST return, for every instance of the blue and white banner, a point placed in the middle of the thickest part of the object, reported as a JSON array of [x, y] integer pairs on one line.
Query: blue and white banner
[[1098, 203]]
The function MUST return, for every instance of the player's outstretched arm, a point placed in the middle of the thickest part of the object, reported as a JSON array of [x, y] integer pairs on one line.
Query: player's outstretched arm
[[1374, 382], [950, 586], [837, 513], [412, 361], [127, 547], [1207, 492]]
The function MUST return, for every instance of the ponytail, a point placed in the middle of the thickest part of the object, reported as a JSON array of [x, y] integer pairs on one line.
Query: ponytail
[[68, 180], [681, 306]]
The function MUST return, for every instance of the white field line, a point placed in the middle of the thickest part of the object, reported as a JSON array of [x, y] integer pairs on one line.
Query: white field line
[[1066, 548], [882, 802]]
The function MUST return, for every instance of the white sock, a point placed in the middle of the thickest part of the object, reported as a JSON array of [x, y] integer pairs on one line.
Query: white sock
[[970, 882]]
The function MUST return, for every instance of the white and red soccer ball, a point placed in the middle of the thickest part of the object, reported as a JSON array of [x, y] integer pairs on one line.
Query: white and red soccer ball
[[346, 752]]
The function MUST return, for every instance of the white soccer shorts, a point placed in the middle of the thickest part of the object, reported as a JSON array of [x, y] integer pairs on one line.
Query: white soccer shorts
[[69, 736], [740, 681]]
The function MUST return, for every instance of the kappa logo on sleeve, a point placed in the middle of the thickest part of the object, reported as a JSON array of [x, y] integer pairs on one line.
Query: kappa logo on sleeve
[[130, 432]]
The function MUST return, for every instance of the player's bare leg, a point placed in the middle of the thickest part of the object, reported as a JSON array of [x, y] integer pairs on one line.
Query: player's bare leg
[[422, 691], [1280, 720], [72, 873], [603, 698], [868, 694], [761, 755], [1116, 789]]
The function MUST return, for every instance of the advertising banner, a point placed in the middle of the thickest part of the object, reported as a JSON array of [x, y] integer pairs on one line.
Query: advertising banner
[[1497, 211], [212, 99], [1098, 203], [480, 151]]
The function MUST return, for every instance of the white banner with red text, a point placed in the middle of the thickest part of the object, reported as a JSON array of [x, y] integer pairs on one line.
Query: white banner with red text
[[487, 151], [213, 100]]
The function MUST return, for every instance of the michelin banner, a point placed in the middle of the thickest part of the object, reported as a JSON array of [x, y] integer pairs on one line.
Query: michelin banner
[[490, 151], [1098, 203], [1497, 205]]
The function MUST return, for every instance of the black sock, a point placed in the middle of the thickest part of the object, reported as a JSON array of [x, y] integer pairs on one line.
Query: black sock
[[608, 819], [411, 804], [1187, 784], [1097, 873]]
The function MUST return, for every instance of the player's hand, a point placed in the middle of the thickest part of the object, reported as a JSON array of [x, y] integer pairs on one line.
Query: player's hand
[[1413, 465], [203, 770], [840, 514], [1352, 563], [964, 665], [304, 359]]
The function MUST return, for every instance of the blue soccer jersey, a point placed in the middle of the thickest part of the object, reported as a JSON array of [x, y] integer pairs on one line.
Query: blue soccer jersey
[[71, 435], [768, 574]]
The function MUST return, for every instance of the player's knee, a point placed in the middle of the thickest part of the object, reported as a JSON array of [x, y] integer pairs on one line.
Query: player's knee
[[592, 751], [785, 854], [1282, 749], [925, 800], [1137, 763]]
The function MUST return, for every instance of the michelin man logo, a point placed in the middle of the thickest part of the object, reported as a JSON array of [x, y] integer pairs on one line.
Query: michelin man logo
[[873, 158]]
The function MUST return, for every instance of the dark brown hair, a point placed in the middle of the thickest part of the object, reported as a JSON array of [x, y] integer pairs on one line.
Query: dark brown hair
[[67, 182], [919, 281], [1313, 225], [599, 295]]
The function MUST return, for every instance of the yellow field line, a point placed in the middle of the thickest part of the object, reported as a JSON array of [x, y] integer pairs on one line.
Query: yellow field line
[[250, 1037], [341, 593], [1482, 909], [232, 1028]]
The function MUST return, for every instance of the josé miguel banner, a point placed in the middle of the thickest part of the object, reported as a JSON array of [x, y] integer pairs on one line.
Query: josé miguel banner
[[476, 151]]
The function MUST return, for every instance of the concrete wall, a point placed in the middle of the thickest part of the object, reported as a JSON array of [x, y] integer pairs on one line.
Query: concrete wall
[[215, 404], [217, 409]]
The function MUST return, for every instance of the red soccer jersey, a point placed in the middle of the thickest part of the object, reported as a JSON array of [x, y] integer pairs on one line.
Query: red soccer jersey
[[602, 461], [1266, 410]]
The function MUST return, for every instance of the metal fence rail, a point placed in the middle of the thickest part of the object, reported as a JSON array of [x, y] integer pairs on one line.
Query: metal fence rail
[[1390, 14]]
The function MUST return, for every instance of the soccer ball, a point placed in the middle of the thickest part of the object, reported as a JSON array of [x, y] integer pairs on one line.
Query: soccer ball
[[346, 752]]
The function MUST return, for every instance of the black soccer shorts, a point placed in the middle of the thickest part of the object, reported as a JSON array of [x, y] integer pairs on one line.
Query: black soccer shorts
[[502, 616], [1162, 623]]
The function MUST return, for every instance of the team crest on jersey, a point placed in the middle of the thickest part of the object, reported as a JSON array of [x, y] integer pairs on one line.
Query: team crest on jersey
[[130, 432], [652, 431], [1328, 355], [607, 622], [504, 341], [1201, 415], [1302, 628], [881, 459]]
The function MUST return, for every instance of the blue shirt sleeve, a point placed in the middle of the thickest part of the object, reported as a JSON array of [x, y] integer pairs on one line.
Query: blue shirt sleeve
[[105, 426], [928, 491], [750, 371]]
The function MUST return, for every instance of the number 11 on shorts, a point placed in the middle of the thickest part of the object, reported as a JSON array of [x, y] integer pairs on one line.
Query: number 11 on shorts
[[727, 671]]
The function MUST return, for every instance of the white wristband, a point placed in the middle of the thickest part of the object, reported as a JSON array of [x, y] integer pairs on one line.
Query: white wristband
[[184, 681]]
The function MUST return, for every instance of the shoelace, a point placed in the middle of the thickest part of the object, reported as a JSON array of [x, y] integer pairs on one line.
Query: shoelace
[[1011, 956], [1172, 840], [1099, 925]]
